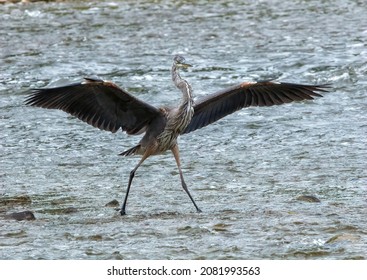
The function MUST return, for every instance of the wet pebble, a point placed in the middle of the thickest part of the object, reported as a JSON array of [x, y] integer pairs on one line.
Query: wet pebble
[[112, 203], [220, 227], [21, 216]]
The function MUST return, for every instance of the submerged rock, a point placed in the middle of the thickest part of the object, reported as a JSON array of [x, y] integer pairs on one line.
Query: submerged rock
[[69, 210], [15, 200], [308, 198], [27, 1], [343, 237]]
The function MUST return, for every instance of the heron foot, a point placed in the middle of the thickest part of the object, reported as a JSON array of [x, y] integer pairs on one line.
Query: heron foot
[[122, 212], [198, 210]]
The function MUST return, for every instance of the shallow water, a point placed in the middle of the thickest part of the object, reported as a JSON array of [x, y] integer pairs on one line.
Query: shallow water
[[245, 171]]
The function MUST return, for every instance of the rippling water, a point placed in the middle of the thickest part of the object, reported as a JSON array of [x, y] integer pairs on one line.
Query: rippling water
[[245, 171]]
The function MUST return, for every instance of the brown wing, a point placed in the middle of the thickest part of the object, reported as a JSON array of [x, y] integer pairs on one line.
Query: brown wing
[[101, 104], [222, 103]]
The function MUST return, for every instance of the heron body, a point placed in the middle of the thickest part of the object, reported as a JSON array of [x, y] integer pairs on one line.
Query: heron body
[[108, 107], [163, 132]]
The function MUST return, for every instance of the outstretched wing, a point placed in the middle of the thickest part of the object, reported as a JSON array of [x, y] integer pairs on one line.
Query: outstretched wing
[[222, 103], [99, 103]]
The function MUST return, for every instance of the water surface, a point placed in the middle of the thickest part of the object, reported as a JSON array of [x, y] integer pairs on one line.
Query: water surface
[[245, 171]]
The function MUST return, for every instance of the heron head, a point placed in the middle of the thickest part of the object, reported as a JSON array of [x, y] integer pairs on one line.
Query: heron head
[[180, 62]]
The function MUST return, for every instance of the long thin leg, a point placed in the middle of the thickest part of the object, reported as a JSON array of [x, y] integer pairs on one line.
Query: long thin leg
[[176, 154], [132, 174]]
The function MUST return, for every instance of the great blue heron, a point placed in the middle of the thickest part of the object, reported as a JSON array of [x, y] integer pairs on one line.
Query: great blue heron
[[106, 106]]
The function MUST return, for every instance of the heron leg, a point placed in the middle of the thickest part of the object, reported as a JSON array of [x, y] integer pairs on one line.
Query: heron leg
[[176, 154], [132, 174]]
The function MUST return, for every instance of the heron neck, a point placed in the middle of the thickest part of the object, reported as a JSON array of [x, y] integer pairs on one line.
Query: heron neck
[[182, 85]]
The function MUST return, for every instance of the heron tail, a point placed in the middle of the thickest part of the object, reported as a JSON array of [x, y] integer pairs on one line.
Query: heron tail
[[131, 151]]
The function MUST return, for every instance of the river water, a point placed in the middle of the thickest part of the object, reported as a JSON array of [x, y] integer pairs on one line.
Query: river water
[[247, 172]]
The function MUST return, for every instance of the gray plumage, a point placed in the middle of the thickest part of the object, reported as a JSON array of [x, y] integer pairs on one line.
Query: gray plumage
[[104, 105]]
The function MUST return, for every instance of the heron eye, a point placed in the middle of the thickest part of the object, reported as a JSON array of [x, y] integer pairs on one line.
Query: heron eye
[[179, 59]]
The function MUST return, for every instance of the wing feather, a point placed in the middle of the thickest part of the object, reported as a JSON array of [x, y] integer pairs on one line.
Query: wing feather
[[267, 93], [99, 103]]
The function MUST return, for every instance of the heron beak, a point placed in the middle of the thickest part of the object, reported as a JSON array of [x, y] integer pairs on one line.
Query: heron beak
[[184, 65]]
